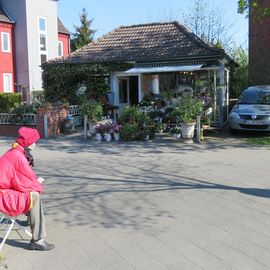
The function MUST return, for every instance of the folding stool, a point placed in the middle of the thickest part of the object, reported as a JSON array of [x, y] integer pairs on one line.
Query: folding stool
[[5, 219]]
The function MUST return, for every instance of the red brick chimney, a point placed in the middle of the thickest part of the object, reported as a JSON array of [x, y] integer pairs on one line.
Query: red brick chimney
[[259, 47]]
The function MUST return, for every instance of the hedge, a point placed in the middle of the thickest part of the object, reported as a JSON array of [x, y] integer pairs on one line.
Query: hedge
[[8, 101]]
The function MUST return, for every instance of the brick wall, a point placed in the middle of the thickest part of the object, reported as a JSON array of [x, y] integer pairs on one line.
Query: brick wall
[[55, 114], [259, 48], [11, 130]]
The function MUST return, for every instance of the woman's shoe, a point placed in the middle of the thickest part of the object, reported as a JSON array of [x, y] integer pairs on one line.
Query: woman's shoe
[[40, 245]]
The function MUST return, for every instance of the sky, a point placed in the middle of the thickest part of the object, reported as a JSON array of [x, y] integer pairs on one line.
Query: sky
[[110, 14]]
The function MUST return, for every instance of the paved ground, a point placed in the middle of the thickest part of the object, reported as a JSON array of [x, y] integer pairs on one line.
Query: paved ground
[[156, 205]]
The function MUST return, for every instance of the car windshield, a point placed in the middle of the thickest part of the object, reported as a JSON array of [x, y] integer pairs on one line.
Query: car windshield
[[255, 97]]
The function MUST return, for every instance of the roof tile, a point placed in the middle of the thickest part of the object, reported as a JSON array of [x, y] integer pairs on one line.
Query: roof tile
[[4, 16], [61, 28], [143, 42]]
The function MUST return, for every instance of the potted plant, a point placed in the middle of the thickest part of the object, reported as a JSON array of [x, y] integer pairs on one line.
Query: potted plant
[[108, 131], [185, 110], [133, 122], [176, 131], [116, 128], [94, 112], [129, 131], [99, 130]]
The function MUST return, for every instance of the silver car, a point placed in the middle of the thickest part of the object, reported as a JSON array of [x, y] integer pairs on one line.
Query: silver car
[[252, 111]]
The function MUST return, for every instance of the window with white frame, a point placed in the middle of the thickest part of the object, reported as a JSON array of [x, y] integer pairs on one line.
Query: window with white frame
[[7, 82], [60, 48], [43, 47], [5, 38]]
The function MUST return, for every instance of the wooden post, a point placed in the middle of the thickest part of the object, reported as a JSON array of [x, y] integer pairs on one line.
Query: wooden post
[[46, 131], [85, 126], [198, 128]]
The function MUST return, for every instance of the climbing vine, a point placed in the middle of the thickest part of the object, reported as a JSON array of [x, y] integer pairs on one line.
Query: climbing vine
[[61, 81]]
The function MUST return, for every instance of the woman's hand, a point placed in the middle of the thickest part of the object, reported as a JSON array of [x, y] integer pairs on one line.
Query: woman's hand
[[41, 180]]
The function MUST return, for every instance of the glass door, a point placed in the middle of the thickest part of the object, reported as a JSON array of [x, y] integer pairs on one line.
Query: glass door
[[123, 87]]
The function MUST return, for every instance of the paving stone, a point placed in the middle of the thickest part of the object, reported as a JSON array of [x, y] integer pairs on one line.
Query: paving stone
[[150, 205]]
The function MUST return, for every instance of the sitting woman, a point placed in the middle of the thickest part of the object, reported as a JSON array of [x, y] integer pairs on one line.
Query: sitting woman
[[20, 187]]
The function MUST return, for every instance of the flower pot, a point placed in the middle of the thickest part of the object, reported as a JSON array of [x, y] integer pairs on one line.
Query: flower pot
[[98, 137], [91, 126], [177, 136], [147, 137], [107, 137], [116, 136], [187, 130]]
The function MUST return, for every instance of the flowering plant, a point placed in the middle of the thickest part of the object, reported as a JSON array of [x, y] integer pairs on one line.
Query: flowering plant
[[108, 128], [103, 127], [116, 128], [99, 128]]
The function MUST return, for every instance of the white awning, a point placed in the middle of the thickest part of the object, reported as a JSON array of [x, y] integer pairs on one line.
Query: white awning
[[163, 69]]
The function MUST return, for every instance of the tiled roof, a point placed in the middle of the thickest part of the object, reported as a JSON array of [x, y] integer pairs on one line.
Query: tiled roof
[[61, 28], [144, 42], [4, 16]]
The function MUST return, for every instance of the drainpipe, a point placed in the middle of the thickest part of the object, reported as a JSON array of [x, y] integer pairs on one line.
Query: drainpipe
[[14, 58]]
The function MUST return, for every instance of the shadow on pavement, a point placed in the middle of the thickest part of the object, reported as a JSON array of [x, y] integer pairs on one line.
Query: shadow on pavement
[[119, 199]]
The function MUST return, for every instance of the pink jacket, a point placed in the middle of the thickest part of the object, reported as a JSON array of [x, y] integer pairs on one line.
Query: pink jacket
[[17, 180]]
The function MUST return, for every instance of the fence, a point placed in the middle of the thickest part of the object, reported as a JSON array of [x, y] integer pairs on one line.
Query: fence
[[12, 118], [74, 110], [47, 121]]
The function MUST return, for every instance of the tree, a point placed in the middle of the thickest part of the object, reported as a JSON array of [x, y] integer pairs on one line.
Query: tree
[[84, 34], [239, 78], [209, 24], [245, 5]]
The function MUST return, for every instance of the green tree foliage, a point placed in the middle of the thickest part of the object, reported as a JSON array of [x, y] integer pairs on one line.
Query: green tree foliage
[[239, 78], [255, 5], [84, 34]]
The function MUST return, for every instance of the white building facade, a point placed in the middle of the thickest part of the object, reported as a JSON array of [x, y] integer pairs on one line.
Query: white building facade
[[36, 39]]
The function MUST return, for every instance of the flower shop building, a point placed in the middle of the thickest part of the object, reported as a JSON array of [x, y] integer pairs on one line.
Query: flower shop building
[[163, 59]]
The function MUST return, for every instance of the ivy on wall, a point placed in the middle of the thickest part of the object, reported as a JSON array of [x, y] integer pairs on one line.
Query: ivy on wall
[[61, 81]]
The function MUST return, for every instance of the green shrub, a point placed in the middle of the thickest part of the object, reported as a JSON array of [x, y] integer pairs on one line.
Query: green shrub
[[135, 124], [186, 109], [92, 109], [8, 101], [22, 109], [134, 115], [130, 131], [38, 97]]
